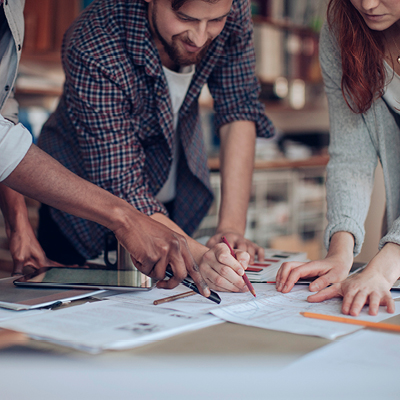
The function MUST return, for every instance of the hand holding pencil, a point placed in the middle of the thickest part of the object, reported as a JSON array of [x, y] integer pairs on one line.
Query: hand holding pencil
[[220, 270], [245, 278]]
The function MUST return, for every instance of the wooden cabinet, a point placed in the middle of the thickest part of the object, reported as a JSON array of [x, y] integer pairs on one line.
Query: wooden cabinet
[[45, 24]]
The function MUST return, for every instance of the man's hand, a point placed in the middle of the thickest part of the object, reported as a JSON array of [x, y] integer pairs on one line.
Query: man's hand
[[24, 247], [154, 247], [215, 267], [238, 242], [26, 250]]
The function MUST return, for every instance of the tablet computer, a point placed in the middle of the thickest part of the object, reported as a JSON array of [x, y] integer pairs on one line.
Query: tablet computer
[[86, 278]]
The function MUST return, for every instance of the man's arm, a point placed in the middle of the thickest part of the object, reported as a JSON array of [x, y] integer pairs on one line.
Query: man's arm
[[15, 141], [23, 245], [236, 166], [239, 116], [152, 245]]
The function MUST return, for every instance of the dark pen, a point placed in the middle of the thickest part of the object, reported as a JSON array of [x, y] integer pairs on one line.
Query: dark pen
[[213, 296]]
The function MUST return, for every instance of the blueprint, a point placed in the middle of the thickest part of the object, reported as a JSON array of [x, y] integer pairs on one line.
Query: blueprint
[[281, 312]]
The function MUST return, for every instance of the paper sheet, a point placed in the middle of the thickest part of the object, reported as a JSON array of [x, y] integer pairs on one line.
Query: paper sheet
[[270, 266], [269, 310], [13, 314], [196, 304], [281, 312], [94, 327]]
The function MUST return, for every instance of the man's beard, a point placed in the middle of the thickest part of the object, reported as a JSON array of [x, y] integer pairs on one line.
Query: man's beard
[[173, 50]]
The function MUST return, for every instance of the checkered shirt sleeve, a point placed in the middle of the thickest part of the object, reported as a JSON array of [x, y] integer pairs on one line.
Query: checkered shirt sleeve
[[233, 83]]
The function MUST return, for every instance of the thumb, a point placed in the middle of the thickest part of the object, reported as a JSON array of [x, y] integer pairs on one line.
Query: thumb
[[18, 266], [213, 241]]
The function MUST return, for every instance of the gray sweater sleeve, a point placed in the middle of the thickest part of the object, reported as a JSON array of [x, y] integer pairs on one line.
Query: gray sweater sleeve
[[353, 158]]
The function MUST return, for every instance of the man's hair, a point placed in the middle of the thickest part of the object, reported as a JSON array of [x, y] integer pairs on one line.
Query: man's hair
[[177, 4], [362, 51]]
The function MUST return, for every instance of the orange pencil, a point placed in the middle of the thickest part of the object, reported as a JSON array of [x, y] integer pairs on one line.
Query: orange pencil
[[175, 297], [245, 278], [368, 324]]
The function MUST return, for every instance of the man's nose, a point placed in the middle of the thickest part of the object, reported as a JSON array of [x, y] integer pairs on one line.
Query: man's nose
[[199, 35]]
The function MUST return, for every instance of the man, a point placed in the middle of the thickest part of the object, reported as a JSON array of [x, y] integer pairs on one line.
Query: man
[[29, 170], [128, 121]]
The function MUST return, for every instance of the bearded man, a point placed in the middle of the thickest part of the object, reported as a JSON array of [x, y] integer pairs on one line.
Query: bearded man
[[128, 121]]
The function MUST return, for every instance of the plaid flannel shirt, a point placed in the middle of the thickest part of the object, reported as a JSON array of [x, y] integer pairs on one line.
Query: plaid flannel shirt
[[114, 123]]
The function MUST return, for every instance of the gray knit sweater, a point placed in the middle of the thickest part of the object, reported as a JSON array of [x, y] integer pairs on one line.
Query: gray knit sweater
[[357, 143]]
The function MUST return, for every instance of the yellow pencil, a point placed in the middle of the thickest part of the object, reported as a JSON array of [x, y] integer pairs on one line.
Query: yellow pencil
[[368, 324]]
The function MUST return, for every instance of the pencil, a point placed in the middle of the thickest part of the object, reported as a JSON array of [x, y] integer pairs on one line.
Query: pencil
[[245, 278], [175, 297], [296, 283], [368, 324]]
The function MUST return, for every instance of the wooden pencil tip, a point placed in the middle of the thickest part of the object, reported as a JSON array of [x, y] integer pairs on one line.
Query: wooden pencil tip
[[253, 292]]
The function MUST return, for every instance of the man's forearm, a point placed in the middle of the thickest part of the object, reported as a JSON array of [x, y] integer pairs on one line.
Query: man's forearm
[[236, 166], [41, 177], [12, 204], [196, 248]]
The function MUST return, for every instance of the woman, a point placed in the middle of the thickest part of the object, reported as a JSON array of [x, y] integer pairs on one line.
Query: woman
[[360, 60]]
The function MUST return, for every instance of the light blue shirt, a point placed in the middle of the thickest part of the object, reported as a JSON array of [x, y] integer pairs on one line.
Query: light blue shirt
[[15, 140], [10, 52]]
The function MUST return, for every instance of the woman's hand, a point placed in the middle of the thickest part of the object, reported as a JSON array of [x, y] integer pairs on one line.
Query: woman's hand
[[358, 290], [334, 268], [239, 242], [329, 270], [371, 286], [222, 271]]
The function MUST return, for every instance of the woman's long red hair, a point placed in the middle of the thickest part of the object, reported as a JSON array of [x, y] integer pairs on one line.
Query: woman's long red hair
[[362, 52]]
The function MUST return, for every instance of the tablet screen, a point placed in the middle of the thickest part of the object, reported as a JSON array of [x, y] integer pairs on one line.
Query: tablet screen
[[85, 277]]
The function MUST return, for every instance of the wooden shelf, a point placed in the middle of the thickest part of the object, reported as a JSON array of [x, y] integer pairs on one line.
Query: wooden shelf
[[306, 120], [38, 92], [284, 24], [280, 163]]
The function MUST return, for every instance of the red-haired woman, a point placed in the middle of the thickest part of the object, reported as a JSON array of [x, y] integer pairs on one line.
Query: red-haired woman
[[360, 59]]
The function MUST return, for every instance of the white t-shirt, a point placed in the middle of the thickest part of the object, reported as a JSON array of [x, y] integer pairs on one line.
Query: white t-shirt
[[178, 85], [392, 89]]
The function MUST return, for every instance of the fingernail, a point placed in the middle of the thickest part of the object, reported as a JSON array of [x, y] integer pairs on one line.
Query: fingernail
[[285, 288], [315, 287], [241, 271], [207, 292]]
